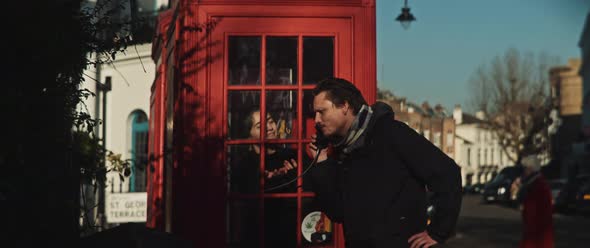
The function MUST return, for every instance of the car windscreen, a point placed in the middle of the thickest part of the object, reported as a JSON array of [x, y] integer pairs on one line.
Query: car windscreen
[[498, 179]]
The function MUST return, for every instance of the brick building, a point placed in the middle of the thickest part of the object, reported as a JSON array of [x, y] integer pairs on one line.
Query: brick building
[[432, 122], [566, 93]]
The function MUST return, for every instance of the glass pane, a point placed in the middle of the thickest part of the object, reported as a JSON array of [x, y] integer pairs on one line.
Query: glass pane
[[316, 227], [318, 59], [243, 114], [243, 169], [307, 157], [280, 168], [308, 114], [244, 60], [138, 184], [281, 109], [280, 225], [244, 223], [281, 60]]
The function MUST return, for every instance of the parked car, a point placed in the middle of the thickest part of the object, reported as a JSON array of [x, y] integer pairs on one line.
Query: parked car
[[566, 200], [476, 188], [583, 198], [556, 186], [498, 190]]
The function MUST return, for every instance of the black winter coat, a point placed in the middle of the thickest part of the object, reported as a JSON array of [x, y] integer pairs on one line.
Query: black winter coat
[[378, 192]]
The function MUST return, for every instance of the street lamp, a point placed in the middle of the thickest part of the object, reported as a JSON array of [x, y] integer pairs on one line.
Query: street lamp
[[103, 88], [405, 18]]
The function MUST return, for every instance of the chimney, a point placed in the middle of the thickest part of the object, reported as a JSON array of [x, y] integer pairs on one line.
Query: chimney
[[425, 106], [458, 114], [403, 104], [438, 108], [480, 115]]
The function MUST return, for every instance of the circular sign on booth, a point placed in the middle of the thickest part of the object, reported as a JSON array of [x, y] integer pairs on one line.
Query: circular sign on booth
[[317, 228]]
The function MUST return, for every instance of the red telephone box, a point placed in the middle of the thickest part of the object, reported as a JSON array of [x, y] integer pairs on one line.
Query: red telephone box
[[222, 65]]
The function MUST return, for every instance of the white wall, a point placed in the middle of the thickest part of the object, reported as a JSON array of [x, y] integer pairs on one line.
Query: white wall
[[130, 91]]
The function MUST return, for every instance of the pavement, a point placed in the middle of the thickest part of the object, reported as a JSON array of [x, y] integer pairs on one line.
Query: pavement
[[491, 225]]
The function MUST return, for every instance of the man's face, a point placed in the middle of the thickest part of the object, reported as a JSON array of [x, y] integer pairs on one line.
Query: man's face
[[271, 126], [334, 120]]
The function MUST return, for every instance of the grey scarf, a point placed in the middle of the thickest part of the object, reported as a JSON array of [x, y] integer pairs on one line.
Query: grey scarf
[[356, 133]]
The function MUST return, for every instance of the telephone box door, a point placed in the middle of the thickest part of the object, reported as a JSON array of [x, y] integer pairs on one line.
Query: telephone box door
[[267, 67]]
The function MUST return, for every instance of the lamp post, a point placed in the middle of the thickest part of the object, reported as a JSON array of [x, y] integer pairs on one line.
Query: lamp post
[[103, 88], [405, 18]]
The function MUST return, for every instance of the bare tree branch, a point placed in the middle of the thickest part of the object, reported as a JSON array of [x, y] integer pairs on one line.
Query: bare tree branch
[[511, 91]]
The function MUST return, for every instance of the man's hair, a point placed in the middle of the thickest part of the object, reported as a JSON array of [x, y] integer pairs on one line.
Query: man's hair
[[339, 91]]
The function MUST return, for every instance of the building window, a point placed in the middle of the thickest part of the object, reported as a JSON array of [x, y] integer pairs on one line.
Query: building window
[[139, 150], [437, 139], [469, 156], [449, 138], [492, 155], [427, 134], [485, 156], [478, 156]]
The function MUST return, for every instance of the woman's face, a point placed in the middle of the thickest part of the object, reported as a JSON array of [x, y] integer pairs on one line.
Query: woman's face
[[271, 126]]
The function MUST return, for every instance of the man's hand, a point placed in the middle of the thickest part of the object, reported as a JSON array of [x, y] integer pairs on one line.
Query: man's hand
[[421, 240], [314, 150]]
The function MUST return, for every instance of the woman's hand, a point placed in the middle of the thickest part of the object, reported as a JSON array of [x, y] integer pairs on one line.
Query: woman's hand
[[287, 166]]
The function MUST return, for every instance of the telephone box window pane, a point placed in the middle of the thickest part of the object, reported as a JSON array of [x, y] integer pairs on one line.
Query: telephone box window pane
[[279, 226], [281, 60], [244, 60], [281, 109], [243, 114], [308, 114], [244, 223], [318, 59], [243, 170], [280, 222], [307, 157], [280, 168]]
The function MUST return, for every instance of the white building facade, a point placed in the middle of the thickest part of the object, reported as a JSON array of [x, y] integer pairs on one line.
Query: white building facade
[[477, 150], [127, 111], [122, 88]]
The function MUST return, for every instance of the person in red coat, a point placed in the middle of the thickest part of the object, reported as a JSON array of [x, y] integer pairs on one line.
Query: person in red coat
[[537, 212]]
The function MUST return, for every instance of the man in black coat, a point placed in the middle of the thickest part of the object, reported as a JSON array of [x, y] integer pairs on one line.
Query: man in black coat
[[375, 178]]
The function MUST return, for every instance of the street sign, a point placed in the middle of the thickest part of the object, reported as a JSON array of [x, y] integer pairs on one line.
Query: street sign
[[126, 207]]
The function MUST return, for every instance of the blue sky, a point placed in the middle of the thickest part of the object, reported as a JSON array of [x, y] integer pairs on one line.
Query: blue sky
[[433, 59]]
